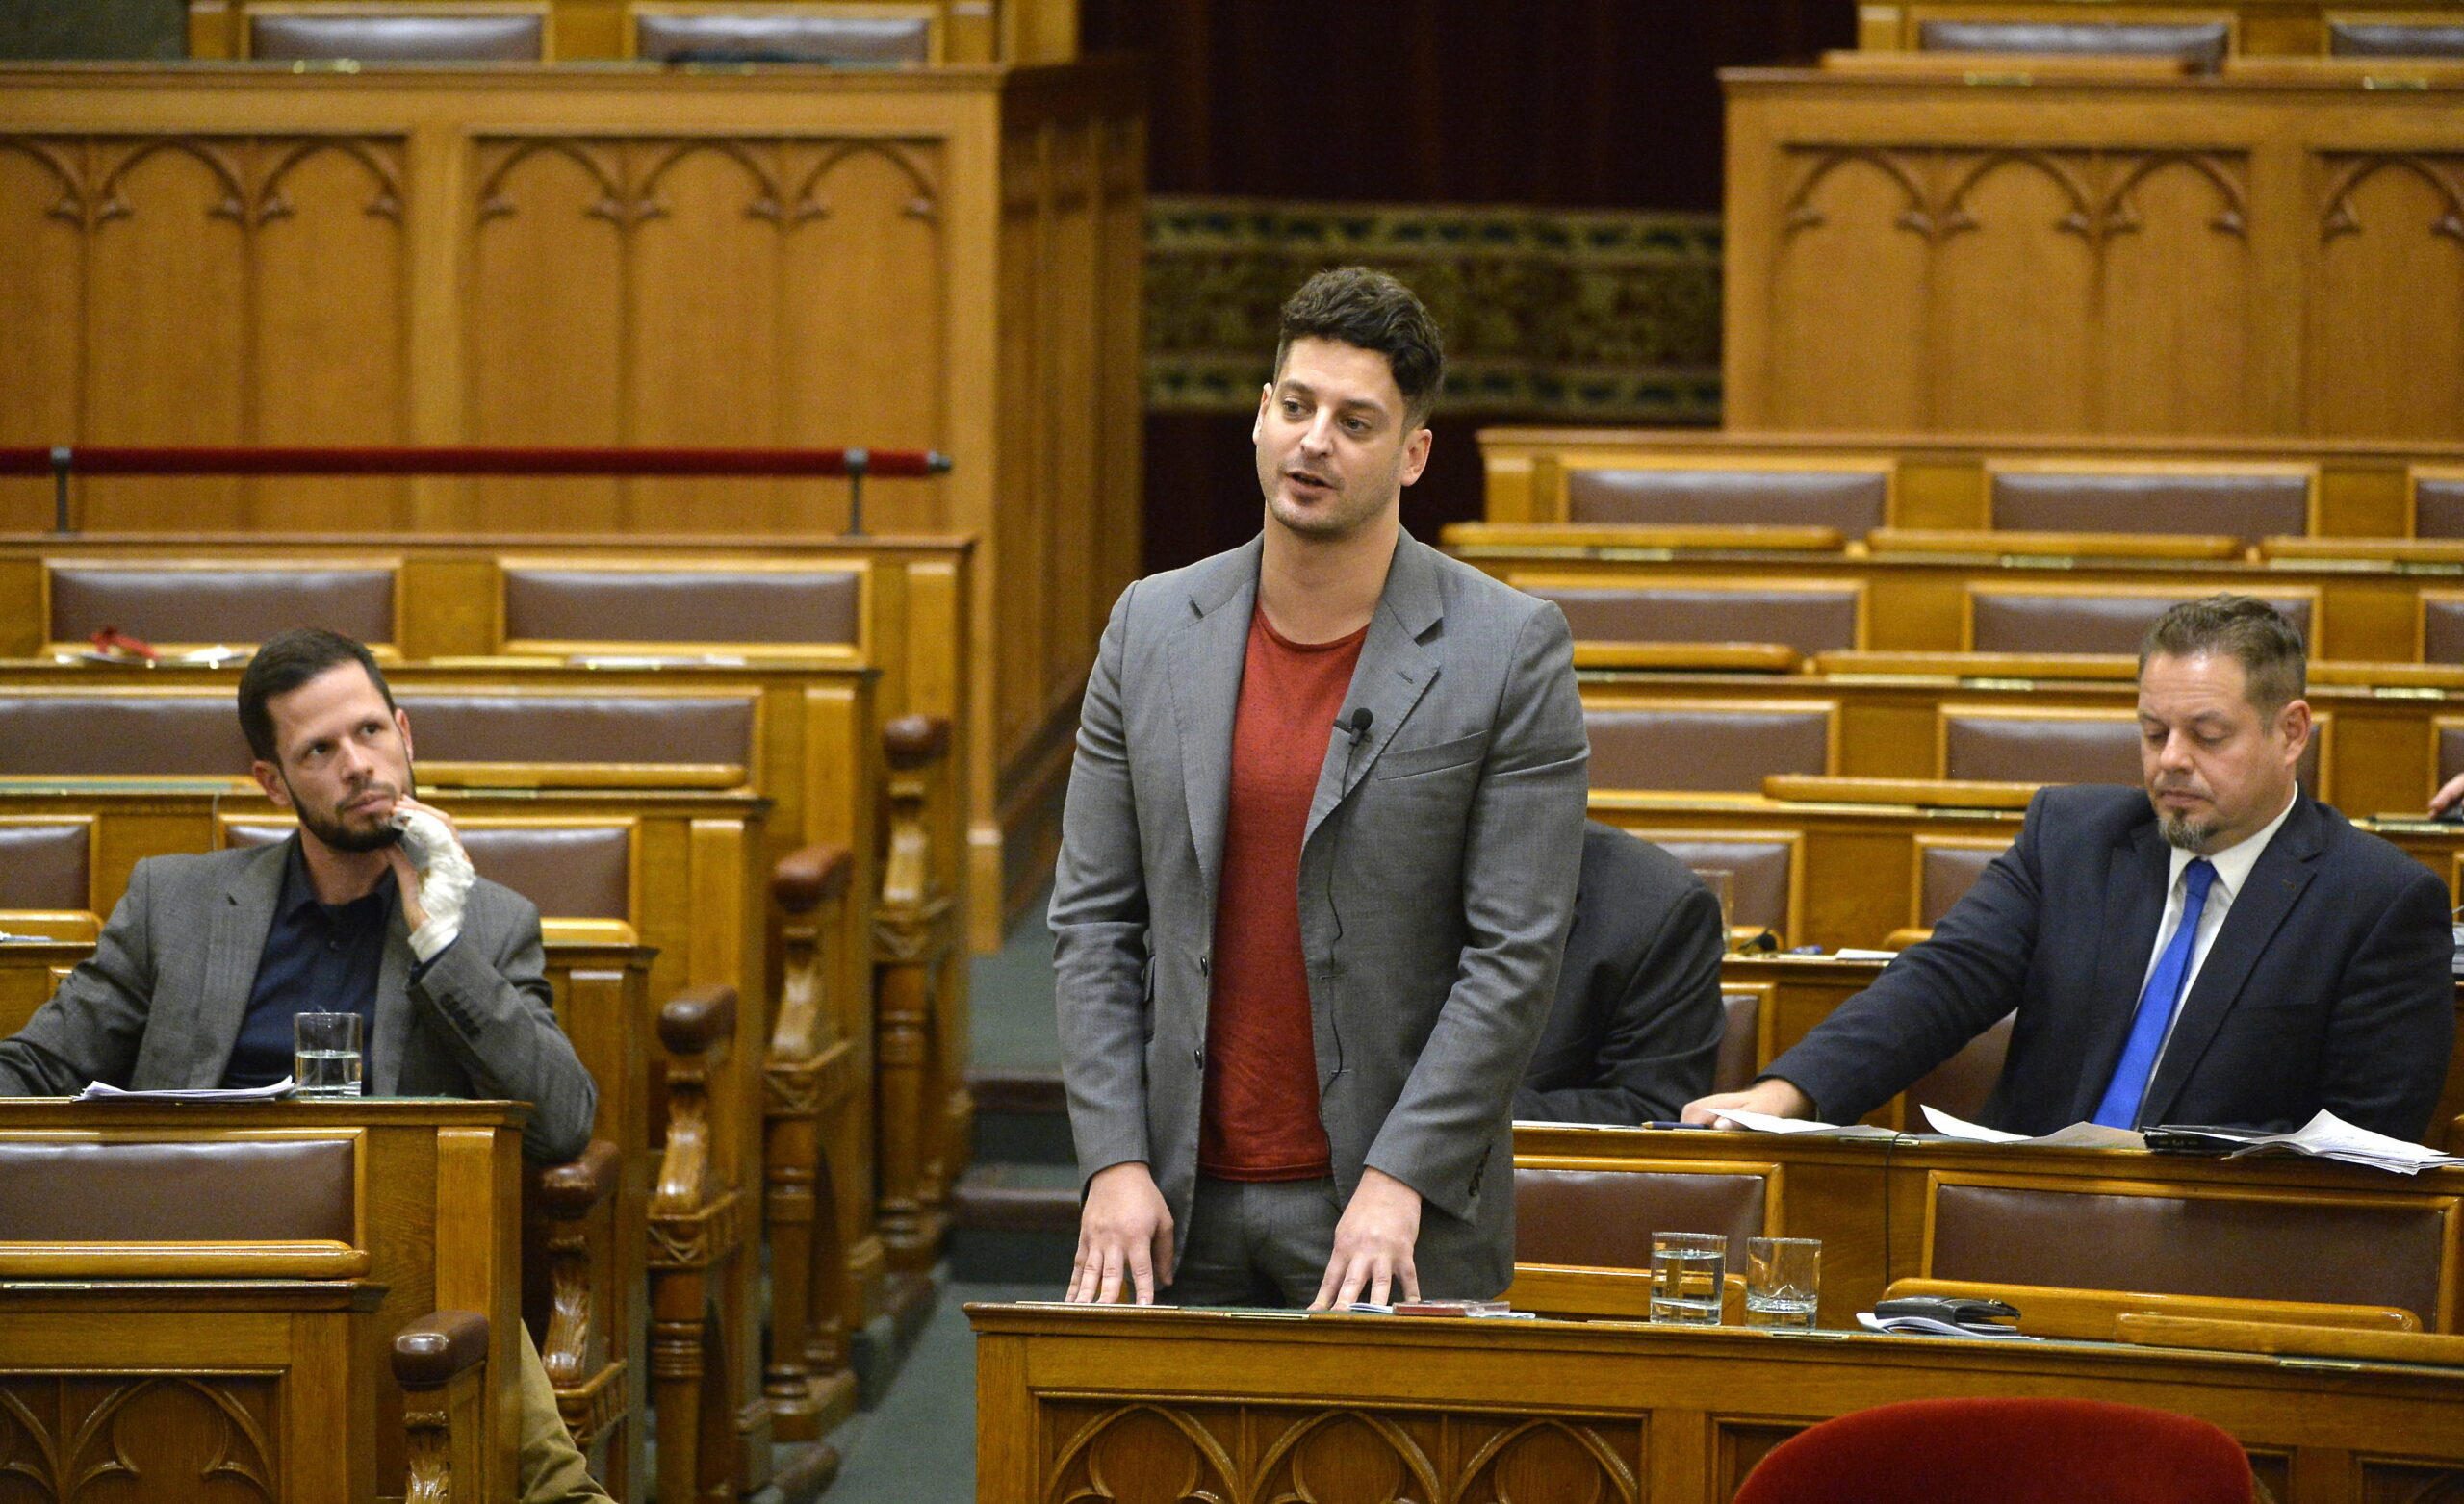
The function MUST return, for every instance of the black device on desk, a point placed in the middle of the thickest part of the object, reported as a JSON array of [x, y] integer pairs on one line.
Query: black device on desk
[[1968, 1311]]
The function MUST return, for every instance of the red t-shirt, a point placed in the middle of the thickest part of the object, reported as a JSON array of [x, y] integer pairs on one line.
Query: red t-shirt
[[1258, 1121]]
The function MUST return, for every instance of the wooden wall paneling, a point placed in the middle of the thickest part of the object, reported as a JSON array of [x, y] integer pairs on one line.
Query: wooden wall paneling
[[1846, 329], [2011, 315], [43, 228], [2177, 285], [2386, 293]]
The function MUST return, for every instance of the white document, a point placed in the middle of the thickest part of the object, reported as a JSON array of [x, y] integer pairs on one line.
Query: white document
[[2078, 1135], [2327, 1136], [1765, 1123], [101, 1091], [1927, 1326]]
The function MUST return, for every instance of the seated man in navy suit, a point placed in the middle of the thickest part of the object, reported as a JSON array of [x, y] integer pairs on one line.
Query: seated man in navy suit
[[2219, 949]]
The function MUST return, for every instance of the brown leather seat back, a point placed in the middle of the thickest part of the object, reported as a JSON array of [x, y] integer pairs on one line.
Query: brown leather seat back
[[2101, 746], [758, 33], [2202, 42], [1604, 1218], [648, 729], [2252, 505], [423, 33], [2342, 1250], [1810, 619], [1855, 501], [44, 865], [1959, 1085], [2352, 38], [2438, 505], [1764, 868], [2011, 619], [547, 605], [239, 605], [1701, 746], [581, 871], [2442, 628], [97, 735], [1943, 876], [2450, 750], [238, 1190], [1741, 1021]]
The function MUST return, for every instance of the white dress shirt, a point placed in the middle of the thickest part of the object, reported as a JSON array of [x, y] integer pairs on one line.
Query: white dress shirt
[[2232, 866]]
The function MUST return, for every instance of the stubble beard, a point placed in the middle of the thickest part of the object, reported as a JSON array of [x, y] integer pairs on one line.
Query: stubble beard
[[2185, 833], [330, 828]]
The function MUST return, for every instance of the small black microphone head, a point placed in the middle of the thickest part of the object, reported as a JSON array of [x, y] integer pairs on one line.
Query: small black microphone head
[[1360, 719]]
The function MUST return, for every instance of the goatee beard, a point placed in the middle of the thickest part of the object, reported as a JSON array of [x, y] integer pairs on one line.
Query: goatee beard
[[2189, 836]]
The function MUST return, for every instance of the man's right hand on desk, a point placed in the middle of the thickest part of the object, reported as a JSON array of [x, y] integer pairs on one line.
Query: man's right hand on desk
[[1124, 1224], [1771, 1096]]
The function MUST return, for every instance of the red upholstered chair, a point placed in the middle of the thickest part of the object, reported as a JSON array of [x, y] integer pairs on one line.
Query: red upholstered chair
[[2004, 1451]]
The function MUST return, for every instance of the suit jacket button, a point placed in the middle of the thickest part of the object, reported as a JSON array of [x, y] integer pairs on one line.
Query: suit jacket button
[[1199, 1057], [1206, 965]]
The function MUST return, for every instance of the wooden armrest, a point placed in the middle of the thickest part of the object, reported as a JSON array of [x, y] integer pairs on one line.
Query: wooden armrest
[[2096, 667], [568, 1192], [1610, 540], [2092, 1315], [916, 741], [2154, 1330], [2016, 69], [2376, 551], [438, 1347], [1749, 657], [2043, 544], [1906, 935], [2387, 675], [805, 877], [1811, 788], [696, 1018], [2351, 72]]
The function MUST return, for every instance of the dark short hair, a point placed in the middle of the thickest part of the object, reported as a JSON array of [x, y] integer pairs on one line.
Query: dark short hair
[[1371, 311], [285, 662], [2258, 636]]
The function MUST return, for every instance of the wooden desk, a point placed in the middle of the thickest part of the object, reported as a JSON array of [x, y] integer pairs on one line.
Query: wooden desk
[[933, 259], [1075, 1403], [1981, 253]]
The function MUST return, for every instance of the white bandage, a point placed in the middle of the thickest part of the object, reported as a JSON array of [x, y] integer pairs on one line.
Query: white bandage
[[445, 879]]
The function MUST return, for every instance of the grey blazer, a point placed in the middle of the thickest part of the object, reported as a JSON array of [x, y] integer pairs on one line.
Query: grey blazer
[[1437, 878], [160, 1003]]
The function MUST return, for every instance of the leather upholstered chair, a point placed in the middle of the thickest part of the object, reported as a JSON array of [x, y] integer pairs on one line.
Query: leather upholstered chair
[[2338, 1246], [2438, 501], [2442, 626], [1947, 866], [1959, 1085], [170, 734], [2362, 35], [2202, 44], [2071, 497], [1971, 1451], [570, 869], [796, 31], [1854, 498], [1995, 745], [365, 30], [1704, 746], [2108, 619], [1741, 1009], [1765, 882], [173, 602], [1582, 1229], [2448, 759], [552, 607], [633, 738], [1810, 616], [290, 1189], [46, 864]]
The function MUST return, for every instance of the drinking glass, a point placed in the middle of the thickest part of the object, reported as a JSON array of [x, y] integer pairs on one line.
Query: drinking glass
[[326, 1059], [1722, 882], [1783, 1282], [1689, 1274]]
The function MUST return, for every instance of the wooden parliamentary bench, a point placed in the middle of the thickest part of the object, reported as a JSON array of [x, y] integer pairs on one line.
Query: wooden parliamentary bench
[[2206, 35], [1275, 1405], [190, 1283]]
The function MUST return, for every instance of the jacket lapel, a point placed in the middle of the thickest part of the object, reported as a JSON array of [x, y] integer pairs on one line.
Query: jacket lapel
[[1204, 659], [1396, 666], [2276, 882], [235, 940], [2133, 908], [390, 1032]]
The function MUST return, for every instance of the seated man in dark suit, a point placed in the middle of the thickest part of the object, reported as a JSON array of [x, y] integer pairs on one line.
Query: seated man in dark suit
[[1634, 1031], [207, 958], [2219, 949]]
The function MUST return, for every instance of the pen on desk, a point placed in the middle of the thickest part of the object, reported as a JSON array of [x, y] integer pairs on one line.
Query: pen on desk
[[1704, 1127]]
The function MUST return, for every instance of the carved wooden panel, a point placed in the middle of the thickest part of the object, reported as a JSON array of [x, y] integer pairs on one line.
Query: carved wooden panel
[[205, 288], [2401, 1483], [1211, 1453], [162, 1439], [2387, 298], [1741, 1446], [700, 291], [2017, 289]]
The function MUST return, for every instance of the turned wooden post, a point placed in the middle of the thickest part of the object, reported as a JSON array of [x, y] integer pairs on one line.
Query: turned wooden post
[[694, 1229], [805, 1077], [430, 1355], [911, 927]]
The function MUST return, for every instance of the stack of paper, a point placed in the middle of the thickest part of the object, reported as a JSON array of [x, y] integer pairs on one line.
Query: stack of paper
[[103, 1092], [2327, 1136], [2078, 1135], [1765, 1123]]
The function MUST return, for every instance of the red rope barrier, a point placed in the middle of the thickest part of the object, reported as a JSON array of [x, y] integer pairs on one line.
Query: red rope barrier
[[464, 460]]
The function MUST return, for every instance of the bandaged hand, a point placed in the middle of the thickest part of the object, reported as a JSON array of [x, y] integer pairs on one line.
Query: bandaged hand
[[439, 882]]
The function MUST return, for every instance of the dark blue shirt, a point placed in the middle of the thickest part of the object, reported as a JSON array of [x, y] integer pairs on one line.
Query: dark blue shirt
[[319, 959]]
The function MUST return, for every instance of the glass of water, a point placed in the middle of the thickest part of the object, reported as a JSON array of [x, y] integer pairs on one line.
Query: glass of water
[[1689, 1273], [325, 1058], [1783, 1282]]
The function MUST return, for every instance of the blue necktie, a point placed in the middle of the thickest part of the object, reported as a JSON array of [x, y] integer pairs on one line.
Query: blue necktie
[[2121, 1107]]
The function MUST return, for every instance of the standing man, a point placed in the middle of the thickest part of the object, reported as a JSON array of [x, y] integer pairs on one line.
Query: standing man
[[1315, 870]]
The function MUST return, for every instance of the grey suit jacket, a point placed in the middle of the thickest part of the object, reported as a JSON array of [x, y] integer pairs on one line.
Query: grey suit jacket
[[160, 1003], [1437, 878]]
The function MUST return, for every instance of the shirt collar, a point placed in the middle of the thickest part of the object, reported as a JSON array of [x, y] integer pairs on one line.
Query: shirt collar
[[300, 894], [2233, 864]]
